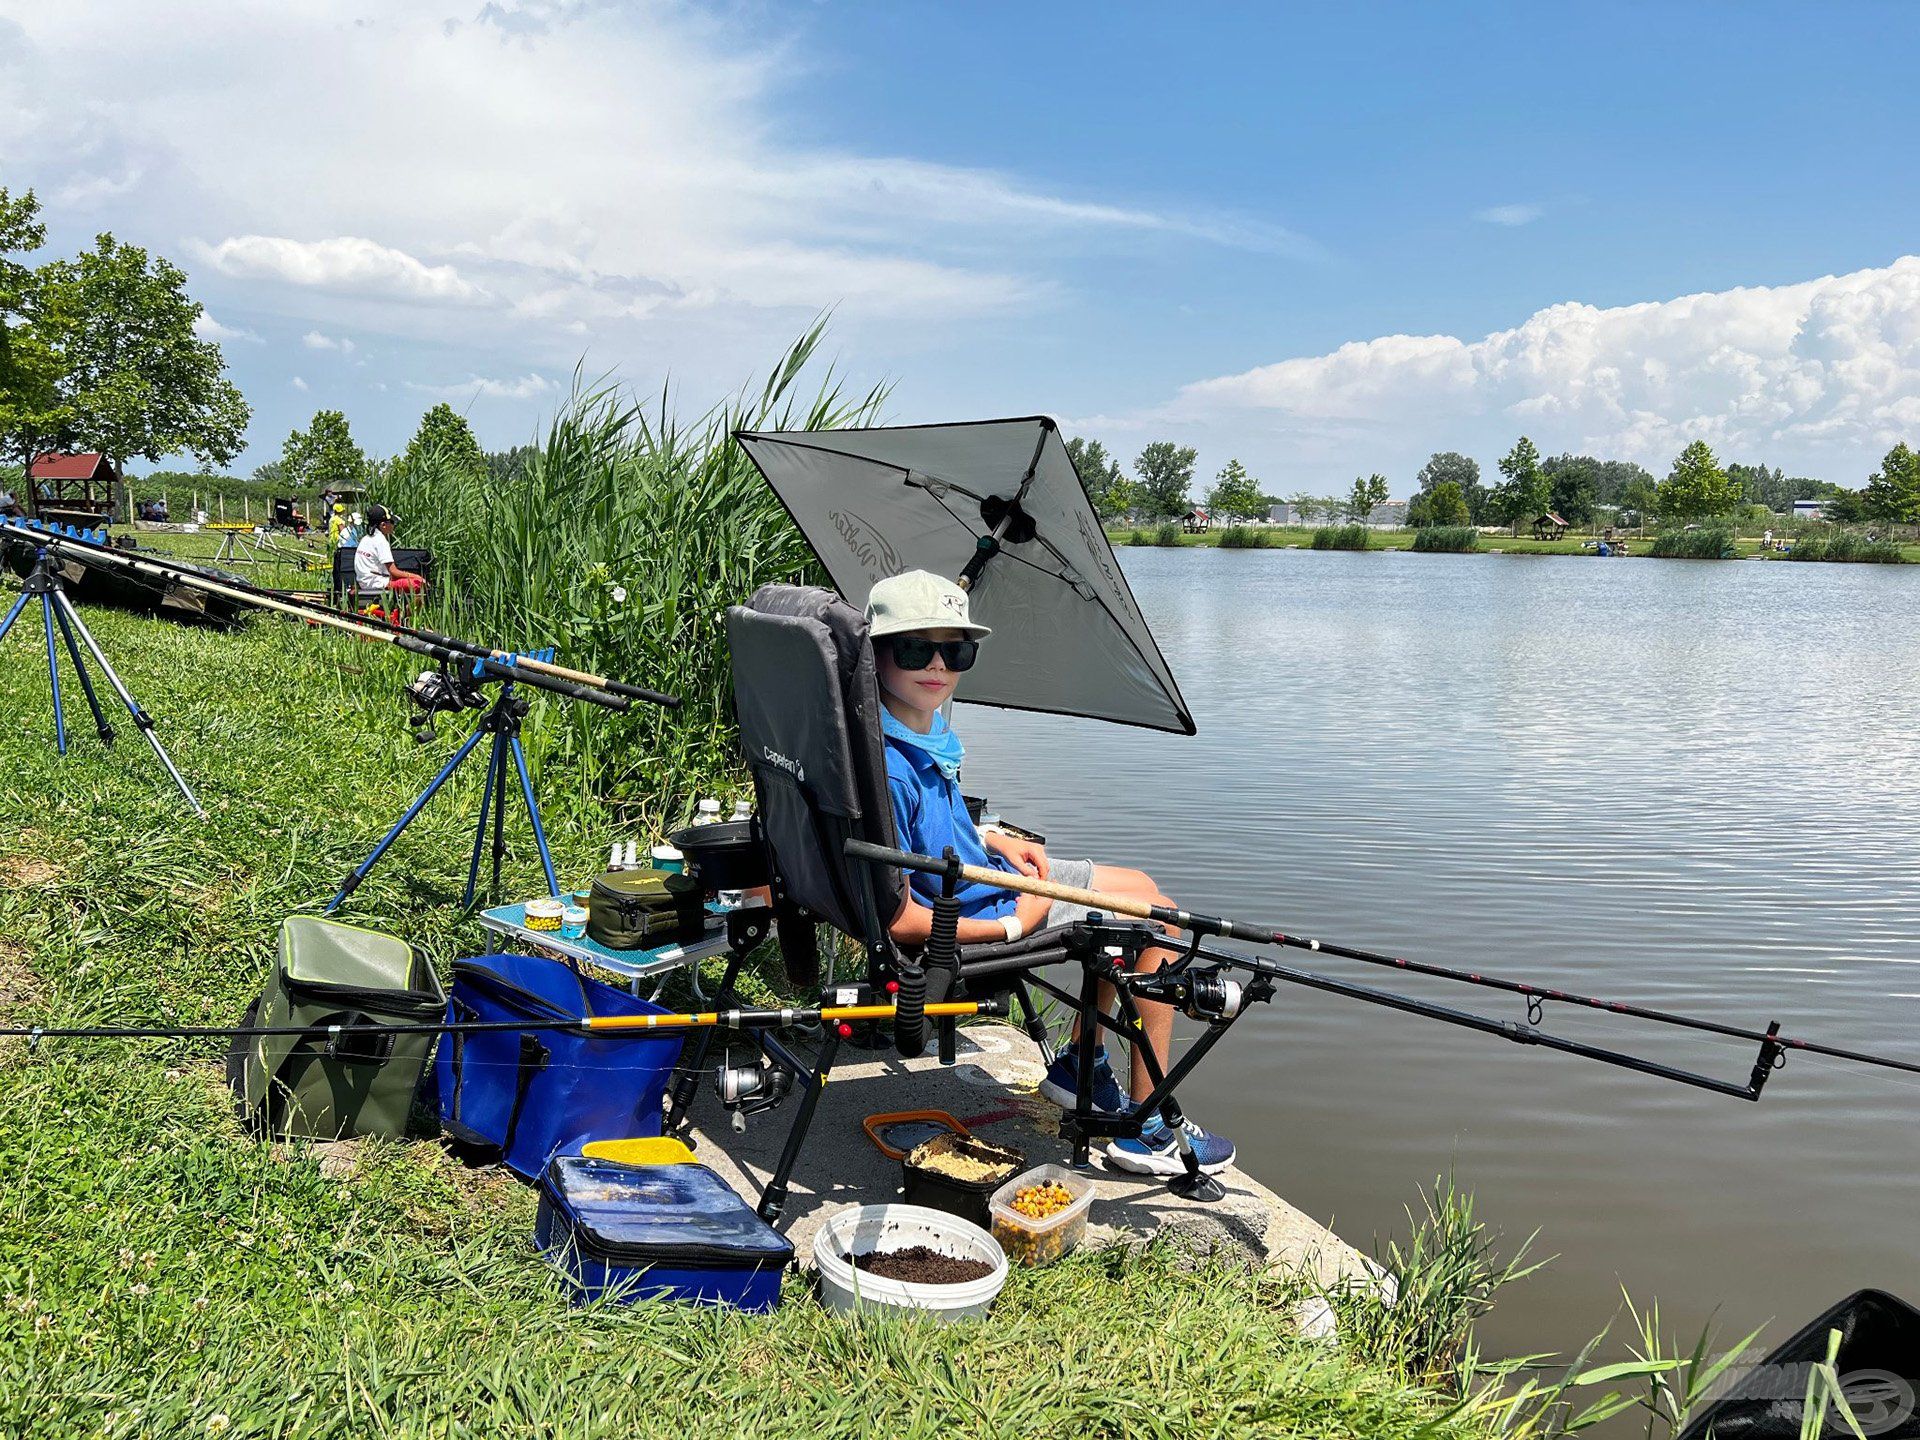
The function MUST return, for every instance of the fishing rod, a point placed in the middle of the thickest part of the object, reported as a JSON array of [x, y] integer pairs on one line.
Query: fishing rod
[[443, 648], [1198, 926], [735, 1019]]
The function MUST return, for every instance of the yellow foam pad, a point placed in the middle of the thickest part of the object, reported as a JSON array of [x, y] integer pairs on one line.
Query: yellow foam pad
[[641, 1150]]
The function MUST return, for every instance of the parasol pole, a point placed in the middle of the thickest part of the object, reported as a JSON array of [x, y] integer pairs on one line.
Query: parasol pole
[[1199, 925], [988, 545]]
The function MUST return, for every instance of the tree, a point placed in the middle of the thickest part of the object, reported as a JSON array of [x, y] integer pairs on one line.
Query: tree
[[1642, 497], [1892, 494], [1449, 466], [1696, 486], [136, 378], [1524, 492], [1235, 493], [1369, 493], [1570, 487], [446, 440], [1108, 490], [1845, 507], [1166, 474], [1613, 478], [1759, 485], [33, 413], [272, 475], [323, 456], [1445, 505]]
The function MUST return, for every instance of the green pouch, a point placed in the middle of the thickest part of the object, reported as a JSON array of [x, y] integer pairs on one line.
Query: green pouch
[[329, 1086], [642, 909]]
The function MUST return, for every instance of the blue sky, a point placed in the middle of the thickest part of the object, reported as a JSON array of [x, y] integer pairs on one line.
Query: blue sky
[[1325, 239]]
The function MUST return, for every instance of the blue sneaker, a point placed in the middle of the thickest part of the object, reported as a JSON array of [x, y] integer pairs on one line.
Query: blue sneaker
[[1157, 1152], [1063, 1082]]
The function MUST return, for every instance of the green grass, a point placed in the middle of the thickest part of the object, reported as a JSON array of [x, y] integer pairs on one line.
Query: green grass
[[163, 1274]]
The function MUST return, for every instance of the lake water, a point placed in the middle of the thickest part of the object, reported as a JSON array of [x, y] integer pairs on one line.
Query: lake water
[[1686, 784]]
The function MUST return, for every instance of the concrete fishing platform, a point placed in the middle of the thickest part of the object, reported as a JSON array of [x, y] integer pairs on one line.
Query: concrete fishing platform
[[991, 1089]]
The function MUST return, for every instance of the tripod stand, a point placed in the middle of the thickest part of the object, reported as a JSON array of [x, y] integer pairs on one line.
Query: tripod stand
[[57, 612], [501, 721]]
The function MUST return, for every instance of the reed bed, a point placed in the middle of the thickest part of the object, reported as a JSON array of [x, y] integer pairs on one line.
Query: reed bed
[[1447, 539], [1707, 543], [621, 540], [1342, 537], [1848, 546], [1246, 537]]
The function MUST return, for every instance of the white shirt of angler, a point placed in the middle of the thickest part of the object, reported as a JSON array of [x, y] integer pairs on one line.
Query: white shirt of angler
[[371, 557]]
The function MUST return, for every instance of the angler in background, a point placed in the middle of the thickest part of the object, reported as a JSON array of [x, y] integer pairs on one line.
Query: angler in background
[[923, 639], [374, 573]]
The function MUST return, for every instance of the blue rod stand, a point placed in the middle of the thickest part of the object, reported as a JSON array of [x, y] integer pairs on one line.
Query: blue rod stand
[[501, 723], [63, 624]]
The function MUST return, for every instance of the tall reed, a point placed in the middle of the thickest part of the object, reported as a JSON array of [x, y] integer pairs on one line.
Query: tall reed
[[621, 540], [1708, 543], [1341, 537], [1846, 545], [1448, 538]]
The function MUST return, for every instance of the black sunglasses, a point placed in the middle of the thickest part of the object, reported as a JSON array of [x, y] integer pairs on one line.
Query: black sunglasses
[[916, 652]]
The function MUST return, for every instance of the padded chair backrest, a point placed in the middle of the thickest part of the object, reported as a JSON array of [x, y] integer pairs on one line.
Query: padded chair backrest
[[809, 712]]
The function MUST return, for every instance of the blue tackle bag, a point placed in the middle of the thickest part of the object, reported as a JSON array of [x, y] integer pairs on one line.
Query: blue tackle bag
[[527, 1095]]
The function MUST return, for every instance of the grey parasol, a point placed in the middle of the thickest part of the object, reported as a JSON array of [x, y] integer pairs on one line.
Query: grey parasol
[[998, 506]]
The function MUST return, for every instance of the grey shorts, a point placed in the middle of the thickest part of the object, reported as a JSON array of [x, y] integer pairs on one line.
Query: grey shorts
[[1077, 873]]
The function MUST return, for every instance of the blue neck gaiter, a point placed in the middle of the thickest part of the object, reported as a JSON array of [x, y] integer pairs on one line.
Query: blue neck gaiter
[[940, 743]]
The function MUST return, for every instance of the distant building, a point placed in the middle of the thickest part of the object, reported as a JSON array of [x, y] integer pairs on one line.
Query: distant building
[[1285, 514], [1195, 522], [1549, 526], [1389, 515], [1809, 509]]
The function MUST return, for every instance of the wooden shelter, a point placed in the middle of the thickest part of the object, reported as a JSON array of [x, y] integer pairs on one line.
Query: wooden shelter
[[81, 489], [1549, 527]]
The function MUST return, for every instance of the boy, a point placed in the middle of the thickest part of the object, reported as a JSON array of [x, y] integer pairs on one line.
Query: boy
[[373, 567], [923, 640]]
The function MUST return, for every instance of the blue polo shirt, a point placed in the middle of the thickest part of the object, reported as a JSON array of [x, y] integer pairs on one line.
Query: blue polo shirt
[[929, 815]]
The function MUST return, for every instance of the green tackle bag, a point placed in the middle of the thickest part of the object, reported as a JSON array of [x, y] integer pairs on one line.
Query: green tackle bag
[[332, 1085], [644, 909]]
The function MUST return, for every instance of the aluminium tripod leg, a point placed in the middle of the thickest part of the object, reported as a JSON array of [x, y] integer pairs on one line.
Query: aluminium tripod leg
[[499, 772], [352, 881], [14, 613], [533, 813], [487, 794], [142, 721], [86, 681], [53, 674]]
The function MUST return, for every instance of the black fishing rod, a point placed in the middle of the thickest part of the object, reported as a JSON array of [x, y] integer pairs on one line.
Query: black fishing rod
[[446, 649], [1198, 926]]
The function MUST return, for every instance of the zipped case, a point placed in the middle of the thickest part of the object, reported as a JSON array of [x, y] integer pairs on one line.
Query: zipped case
[[657, 1232]]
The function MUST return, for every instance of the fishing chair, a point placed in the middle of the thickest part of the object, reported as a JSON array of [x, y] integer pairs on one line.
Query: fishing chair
[[808, 705]]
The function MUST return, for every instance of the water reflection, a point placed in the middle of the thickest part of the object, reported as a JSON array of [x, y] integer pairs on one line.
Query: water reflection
[[1682, 783]]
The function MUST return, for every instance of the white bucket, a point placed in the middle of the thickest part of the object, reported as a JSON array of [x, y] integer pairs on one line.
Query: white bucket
[[862, 1229]]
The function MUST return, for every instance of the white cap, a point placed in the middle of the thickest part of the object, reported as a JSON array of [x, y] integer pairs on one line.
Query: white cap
[[919, 600]]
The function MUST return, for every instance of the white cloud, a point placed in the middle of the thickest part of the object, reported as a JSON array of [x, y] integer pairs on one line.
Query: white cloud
[[543, 176], [526, 387], [346, 264], [205, 327], [314, 340], [1510, 214], [300, 384], [1821, 376]]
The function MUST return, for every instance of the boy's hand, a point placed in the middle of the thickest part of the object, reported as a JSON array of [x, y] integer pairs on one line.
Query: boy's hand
[[1028, 857]]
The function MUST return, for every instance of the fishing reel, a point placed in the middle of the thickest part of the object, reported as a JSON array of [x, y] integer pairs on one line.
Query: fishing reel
[[750, 1089], [439, 692], [1208, 994]]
